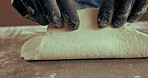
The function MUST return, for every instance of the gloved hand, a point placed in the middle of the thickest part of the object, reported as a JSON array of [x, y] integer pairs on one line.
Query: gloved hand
[[117, 12], [45, 12]]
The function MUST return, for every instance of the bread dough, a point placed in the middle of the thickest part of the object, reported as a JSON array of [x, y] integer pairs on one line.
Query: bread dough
[[87, 42]]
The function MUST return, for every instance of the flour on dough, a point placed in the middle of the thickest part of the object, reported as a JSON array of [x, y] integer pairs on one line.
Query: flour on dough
[[87, 42]]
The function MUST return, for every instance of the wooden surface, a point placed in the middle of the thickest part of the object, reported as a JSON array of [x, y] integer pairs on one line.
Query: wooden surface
[[12, 66]]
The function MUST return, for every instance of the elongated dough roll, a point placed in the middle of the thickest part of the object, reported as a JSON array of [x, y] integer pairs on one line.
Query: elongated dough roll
[[87, 42]]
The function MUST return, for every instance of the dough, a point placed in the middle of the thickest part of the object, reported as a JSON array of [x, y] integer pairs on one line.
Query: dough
[[87, 42]]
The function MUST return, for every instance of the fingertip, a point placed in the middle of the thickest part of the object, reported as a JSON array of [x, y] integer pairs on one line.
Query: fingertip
[[69, 13], [57, 21], [117, 24], [102, 24], [118, 20], [58, 25], [74, 26]]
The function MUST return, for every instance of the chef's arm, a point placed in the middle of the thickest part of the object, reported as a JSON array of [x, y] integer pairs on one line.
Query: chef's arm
[[45, 12]]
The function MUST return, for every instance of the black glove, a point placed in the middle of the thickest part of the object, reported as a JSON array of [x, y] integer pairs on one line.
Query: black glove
[[45, 12], [117, 12]]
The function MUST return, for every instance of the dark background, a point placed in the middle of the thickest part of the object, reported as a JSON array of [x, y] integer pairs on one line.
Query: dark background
[[10, 17]]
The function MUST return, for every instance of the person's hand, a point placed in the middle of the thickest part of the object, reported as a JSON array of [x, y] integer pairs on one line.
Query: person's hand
[[118, 12], [45, 12]]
